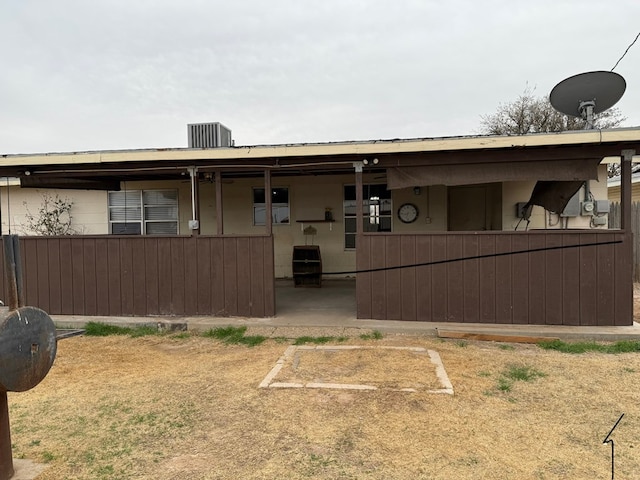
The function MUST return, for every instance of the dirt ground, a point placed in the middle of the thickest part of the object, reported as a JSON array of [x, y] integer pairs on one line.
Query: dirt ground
[[190, 408]]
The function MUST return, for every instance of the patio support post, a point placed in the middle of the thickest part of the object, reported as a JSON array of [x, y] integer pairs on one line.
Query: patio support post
[[625, 188], [268, 214], [359, 200], [219, 220]]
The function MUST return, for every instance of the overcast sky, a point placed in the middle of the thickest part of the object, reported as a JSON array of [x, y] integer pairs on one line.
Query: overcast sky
[[118, 74]]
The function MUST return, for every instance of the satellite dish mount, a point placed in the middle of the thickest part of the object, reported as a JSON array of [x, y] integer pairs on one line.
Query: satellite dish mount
[[587, 94], [586, 112]]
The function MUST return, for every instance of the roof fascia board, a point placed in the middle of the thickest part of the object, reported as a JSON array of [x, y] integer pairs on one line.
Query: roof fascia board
[[329, 149]]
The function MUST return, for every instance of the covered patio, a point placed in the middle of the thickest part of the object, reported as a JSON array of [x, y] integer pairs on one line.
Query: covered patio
[[558, 277]]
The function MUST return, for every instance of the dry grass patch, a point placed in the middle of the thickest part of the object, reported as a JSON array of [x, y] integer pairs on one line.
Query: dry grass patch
[[190, 408]]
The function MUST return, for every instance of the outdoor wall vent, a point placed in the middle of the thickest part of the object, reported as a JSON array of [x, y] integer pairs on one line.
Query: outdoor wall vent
[[209, 135]]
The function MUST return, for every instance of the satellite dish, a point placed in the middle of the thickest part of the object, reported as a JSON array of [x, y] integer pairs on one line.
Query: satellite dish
[[585, 94]]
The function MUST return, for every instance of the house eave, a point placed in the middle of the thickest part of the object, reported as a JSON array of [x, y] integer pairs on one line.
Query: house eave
[[319, 150]]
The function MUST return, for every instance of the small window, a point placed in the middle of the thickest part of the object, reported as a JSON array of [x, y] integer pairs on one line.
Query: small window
[[279, 206], [376, 208], [149, 212]]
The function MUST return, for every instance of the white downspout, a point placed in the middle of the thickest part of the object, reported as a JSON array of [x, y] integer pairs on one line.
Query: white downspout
[[194, 224]]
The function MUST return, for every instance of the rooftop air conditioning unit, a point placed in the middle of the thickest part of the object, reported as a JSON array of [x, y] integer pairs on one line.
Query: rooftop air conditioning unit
[[209, 135]]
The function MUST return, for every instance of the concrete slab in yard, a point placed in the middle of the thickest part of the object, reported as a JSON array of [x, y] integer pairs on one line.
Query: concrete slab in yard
[[430, 378]]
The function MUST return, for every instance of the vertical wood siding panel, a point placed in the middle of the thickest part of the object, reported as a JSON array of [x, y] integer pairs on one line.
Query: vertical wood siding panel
[[635, 228], [152, 276], [606, 281], [90, 276], [256, 282], [588, 280], [623, 280], [77, 268], [43, 273], [138, 260], [243, 284], [553, 281], [190, 276], [55, 281], [102, 276], [3, 282], [408, 294], [504, 281], [471, 278], [378, 284], [537, 276], [230, 276], [520, 279], [115, 274], [203, 245], [66, 277], [363, 280], [571, 277], [439, 296], [178, 283], [164, 276], [127, 278], [487, 267], [217, 277], [455, 279], [393, 278], [29, 254], [424, 279]]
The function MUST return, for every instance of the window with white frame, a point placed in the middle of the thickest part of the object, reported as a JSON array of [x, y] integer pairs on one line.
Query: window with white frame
[[376, 209], [143, 212], [279, 206]]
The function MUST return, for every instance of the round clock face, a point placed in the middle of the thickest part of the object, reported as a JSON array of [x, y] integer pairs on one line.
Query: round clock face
[[408, 213]]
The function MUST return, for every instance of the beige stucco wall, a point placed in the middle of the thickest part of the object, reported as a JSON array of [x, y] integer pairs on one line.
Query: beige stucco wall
[[88, 212]]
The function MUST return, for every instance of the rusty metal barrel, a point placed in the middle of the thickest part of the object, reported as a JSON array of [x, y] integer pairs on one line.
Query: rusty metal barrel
[[27, 348]]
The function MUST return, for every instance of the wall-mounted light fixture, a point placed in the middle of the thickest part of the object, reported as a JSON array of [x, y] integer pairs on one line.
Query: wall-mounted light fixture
[[417, 190], [366, 161]]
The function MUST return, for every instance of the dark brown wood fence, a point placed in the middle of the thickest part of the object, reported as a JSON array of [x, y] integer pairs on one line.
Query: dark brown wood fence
[[585, 284], [178, 275]]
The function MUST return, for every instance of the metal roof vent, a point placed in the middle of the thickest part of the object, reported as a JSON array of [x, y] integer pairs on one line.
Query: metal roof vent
[[209, 135]]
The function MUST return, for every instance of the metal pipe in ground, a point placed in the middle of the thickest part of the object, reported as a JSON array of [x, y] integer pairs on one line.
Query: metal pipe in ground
[[6, 456]]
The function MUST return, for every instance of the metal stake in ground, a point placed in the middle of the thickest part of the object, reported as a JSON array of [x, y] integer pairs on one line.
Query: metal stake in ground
[[610, 440]]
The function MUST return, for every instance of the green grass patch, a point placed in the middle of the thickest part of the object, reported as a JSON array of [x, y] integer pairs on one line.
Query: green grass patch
[[623, 346], [97, 329], [517, 373], [522, 373], [234, 336], [375, 335], [315, 340], [504, 384], [181, 335]]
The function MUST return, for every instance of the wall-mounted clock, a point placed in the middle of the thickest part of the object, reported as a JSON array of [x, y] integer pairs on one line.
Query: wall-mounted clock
[[408, 213]]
